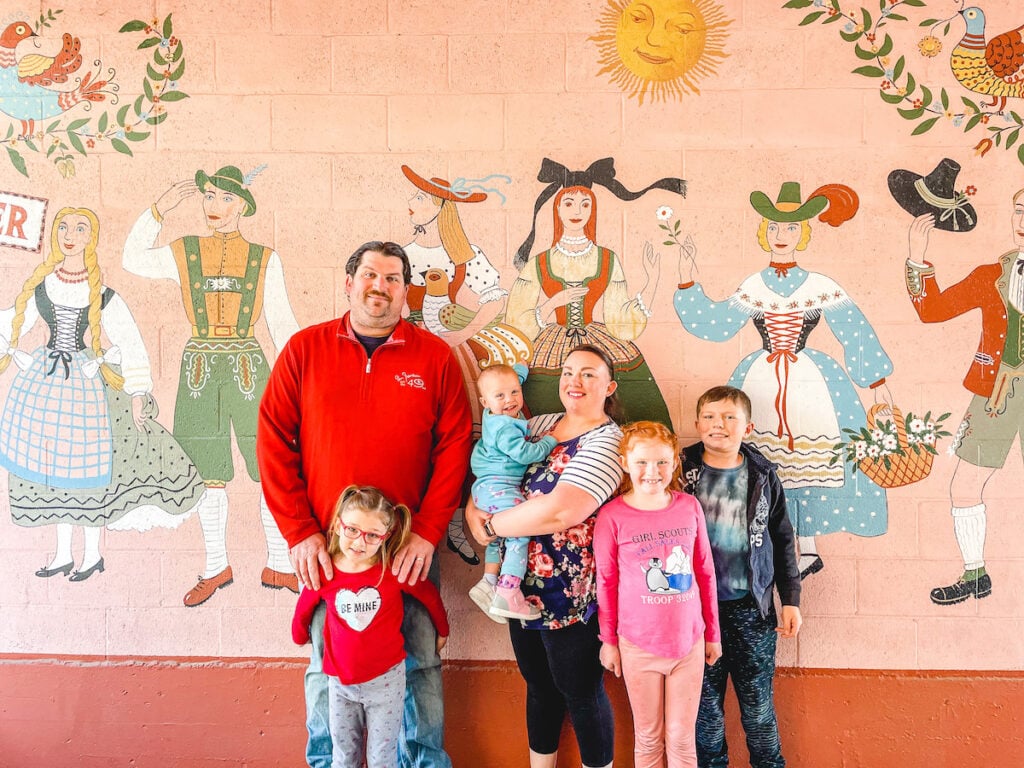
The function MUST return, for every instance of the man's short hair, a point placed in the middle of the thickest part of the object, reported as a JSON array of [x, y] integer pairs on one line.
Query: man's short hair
[[732, 394], [385, 249]]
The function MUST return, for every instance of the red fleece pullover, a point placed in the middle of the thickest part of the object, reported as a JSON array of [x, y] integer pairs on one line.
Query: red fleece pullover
[[330, 417]]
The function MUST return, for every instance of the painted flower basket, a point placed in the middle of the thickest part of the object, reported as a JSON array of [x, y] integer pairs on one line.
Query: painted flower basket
[[893, 450]]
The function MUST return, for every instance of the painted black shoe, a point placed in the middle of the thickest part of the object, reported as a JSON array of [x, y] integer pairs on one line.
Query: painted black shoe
[[83, 575], [963, 589], [63, 570], [461, 547], [815, 565]]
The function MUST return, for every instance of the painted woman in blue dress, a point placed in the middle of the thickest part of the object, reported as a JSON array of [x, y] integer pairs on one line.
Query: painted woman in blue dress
[[802, 398]]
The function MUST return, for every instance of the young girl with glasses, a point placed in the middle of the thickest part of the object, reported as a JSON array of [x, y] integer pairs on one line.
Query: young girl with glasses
[[364, 653]]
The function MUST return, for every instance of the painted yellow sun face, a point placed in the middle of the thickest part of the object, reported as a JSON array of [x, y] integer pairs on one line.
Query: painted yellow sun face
[[661, 47]]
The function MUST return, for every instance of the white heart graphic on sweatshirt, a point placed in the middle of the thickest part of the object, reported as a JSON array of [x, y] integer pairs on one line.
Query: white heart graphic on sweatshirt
[[357, 609]]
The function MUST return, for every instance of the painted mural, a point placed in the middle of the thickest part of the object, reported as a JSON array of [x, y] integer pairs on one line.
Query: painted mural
[[995, 374], [78, 434], [456, 293], [559, 289], [990, 66], [54, 102], [661, 48], [77, 373], [227, 284], [802, 398]]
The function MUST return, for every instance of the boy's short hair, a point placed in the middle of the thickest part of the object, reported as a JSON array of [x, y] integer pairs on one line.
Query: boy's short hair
[[733, 394]]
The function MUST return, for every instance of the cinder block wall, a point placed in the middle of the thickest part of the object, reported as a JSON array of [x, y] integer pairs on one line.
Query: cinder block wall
[[333, 98]]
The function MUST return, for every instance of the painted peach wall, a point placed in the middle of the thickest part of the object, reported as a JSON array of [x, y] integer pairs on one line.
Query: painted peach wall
[[335, 97]]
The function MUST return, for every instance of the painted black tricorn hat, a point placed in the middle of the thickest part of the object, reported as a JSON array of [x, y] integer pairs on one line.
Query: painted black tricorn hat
[[934, 194]]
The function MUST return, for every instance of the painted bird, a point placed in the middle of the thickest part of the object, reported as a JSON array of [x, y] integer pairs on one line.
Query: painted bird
[[27, 80], [440, 314], [995, 69]]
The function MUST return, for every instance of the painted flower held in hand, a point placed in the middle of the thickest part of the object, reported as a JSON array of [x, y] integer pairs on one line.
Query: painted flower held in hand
[[664, 213]]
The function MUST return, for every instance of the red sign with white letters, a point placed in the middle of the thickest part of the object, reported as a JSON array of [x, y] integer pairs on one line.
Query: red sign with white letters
[[21, 221]]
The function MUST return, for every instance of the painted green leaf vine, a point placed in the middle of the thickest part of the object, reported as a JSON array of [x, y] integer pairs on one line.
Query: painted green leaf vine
[[60, 139], [914, 101]]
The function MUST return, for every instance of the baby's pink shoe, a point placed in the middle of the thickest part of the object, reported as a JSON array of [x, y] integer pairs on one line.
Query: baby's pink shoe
[[510, 603]]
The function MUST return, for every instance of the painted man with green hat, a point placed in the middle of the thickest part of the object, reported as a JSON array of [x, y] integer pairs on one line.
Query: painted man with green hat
[[227, 283]]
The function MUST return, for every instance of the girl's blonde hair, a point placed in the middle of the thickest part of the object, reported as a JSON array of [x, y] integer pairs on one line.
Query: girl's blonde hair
[[396, 517], [649, 430], [54, 259]]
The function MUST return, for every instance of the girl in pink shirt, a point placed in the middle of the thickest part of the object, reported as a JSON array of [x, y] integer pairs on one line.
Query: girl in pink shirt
[[656, 595]]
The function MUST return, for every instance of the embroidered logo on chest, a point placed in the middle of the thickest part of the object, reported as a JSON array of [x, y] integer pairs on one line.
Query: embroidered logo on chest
[[357, 609], [413, 380]]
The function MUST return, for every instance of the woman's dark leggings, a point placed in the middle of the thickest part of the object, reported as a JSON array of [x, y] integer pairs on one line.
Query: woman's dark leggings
[[563, 674]]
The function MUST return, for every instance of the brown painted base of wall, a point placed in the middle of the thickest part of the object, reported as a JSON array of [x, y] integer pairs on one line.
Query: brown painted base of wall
[[249, 713]]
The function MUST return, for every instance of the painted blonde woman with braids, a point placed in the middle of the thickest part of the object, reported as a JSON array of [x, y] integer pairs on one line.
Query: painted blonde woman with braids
[[77, 435]]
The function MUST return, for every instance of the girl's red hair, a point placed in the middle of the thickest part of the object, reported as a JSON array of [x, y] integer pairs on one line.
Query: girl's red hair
[[655, 432]]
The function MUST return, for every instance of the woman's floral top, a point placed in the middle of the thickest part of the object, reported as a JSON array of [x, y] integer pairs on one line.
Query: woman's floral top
[[560, 578]]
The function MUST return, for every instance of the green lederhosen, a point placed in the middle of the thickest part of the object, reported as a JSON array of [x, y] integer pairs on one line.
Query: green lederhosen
[[221, 380]]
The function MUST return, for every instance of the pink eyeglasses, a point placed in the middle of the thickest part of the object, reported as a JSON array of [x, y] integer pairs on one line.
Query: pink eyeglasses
[[371, 538]]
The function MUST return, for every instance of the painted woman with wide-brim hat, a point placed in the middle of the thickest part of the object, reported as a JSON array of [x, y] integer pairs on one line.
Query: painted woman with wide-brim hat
[[227, 285], [447, 269], [802, 398], [562, 290]]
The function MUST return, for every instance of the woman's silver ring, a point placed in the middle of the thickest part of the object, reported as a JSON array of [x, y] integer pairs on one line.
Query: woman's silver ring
[[419, 557]]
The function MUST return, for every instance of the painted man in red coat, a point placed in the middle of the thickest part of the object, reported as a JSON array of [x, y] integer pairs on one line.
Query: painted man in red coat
[[996, 377]]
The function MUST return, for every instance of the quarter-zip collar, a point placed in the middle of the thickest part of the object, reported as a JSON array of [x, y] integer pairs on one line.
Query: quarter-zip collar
[[398, 336]]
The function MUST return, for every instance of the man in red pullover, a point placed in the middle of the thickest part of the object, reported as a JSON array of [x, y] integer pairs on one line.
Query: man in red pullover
[[373, 400]]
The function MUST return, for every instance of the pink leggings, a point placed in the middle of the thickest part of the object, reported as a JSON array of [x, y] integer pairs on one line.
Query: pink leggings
[[664, 695]]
